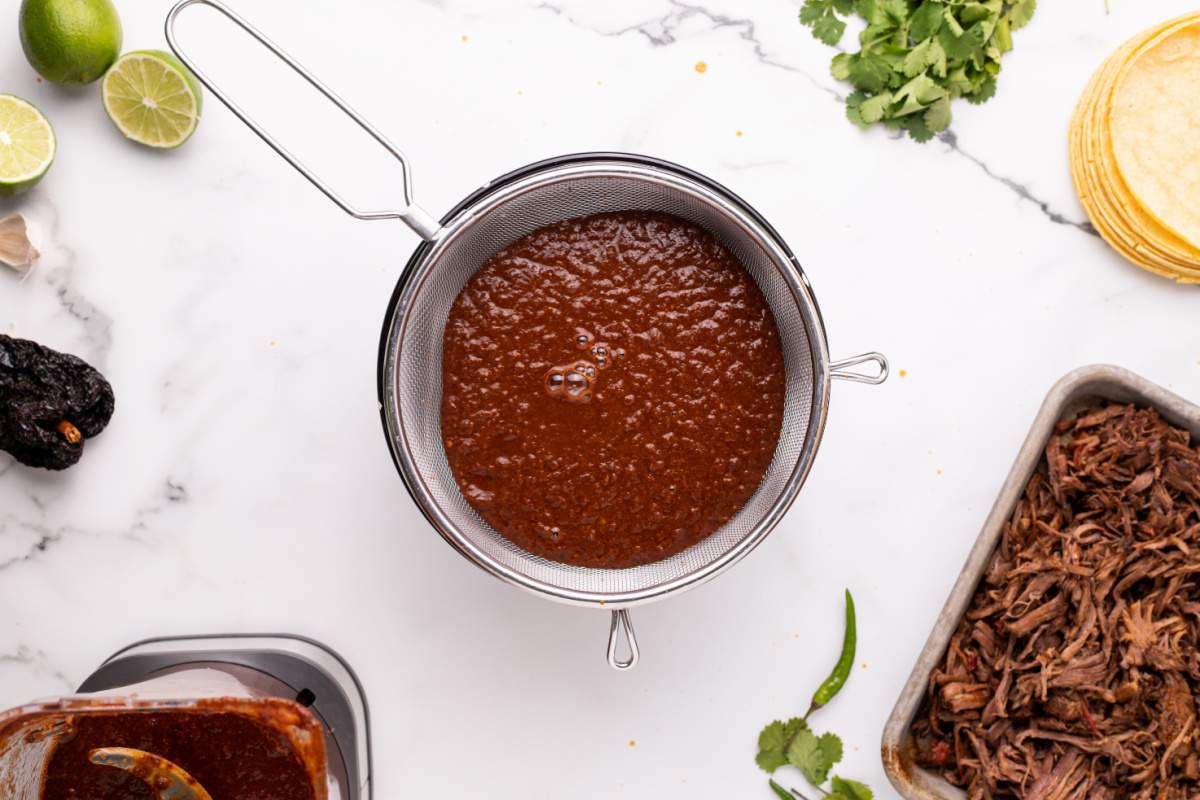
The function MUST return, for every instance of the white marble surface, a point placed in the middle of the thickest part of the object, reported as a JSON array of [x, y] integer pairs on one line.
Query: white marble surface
[[245, 485]]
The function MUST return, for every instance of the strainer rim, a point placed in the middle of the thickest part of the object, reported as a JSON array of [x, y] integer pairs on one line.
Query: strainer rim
[[596, 164]]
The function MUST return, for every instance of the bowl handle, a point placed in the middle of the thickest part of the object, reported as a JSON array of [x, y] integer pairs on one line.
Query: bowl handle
[[841, 369], [622, 627], [416, 218]]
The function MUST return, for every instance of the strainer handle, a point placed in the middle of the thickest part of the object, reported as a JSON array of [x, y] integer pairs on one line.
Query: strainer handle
[[416, 218], [841, 369], [622, 627]]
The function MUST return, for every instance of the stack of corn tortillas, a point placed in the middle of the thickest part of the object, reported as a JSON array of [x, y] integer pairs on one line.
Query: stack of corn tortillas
[[1135, 149]]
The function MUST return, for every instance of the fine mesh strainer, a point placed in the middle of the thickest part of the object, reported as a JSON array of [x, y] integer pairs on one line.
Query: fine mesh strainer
[[410, 355]]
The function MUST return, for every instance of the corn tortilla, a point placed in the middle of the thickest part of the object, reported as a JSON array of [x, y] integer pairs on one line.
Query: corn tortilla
[[1105, 213], [1155, 126], [1113, 209], [1121, 213]]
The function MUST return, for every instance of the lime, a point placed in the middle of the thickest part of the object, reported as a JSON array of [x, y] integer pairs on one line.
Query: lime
[[70, 41], [153, 98], [26, 145]]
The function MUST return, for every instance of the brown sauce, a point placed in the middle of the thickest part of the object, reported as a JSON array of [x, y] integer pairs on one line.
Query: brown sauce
[[612, 389], [234, 757]]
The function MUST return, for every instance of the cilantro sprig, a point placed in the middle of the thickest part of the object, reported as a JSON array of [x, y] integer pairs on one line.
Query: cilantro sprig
[[794, 743], [916, 56]]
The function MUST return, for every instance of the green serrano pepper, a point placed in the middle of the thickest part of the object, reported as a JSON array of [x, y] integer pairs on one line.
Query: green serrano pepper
[[783, 793], [780, 791], [841, 671]]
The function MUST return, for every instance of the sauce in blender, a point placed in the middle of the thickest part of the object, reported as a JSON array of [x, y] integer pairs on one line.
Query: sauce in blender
[[233, 756]]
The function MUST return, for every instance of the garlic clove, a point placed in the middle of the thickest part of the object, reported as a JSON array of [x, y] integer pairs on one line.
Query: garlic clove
[[15, 248]]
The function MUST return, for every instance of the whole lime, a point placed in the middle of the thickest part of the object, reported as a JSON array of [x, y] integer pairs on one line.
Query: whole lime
[[70, 41]]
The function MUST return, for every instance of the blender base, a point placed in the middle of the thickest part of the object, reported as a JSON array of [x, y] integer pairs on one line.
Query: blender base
[[291, 667]]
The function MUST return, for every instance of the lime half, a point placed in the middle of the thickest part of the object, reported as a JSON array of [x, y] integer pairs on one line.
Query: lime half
[[26, 145], [153, 98]]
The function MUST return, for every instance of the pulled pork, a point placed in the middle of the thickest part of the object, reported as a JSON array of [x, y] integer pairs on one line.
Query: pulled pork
[[1074, 672]]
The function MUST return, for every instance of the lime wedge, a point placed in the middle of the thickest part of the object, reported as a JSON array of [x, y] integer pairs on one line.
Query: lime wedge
[[153, 98], [26, 145]]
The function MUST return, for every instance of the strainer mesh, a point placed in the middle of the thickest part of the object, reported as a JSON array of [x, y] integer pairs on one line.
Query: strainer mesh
[[413, 384]]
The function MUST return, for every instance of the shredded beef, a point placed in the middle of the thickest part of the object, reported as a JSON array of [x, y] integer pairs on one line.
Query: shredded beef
[[1074, 672]]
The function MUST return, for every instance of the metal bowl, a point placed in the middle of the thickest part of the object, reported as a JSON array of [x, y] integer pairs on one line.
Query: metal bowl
[[410, 362]]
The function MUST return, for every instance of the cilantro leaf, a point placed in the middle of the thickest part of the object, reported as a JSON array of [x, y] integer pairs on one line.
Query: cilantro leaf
[[805, 754], [774, 740], [853, 112], [917, 59], [1001, 39], [840, 66], [1021, 12], [926, 20], [916, 127], [937, 58], [814, 755], [831, 747], [851, 790], [952, 24], [869, 72], [896, 10], [917, 94], [829, 29], [985, 91], [974, 12], [872, 109], [770, 760], [887, 22], [937, 116], [813, 10], [958, 83], [961, 47], [821, 17]]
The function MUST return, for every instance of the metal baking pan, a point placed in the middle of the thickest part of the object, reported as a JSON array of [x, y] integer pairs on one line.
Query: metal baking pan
[[1073, 392]]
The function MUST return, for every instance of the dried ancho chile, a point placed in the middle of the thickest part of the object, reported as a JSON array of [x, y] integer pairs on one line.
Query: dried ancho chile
[[51, 403]]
